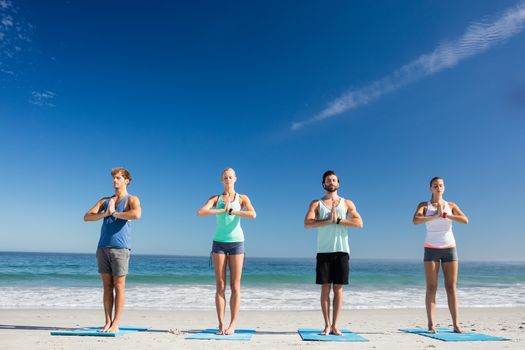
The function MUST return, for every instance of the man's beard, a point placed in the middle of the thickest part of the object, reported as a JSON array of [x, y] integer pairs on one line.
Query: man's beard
[[331, 188]]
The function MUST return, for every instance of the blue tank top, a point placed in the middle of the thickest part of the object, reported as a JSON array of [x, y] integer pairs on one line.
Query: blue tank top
[[115, 233]]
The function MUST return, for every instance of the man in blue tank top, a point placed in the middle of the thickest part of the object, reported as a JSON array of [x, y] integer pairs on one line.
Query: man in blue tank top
[[333, 215], [116, 211]]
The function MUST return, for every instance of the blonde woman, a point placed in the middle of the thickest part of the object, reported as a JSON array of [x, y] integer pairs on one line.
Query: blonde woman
[[228, 245]]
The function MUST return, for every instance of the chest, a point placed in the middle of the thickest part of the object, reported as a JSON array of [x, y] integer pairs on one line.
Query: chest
[[325, 208]]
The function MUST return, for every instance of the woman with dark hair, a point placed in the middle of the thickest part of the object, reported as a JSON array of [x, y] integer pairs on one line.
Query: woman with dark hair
[[228, 245], [440, 248]]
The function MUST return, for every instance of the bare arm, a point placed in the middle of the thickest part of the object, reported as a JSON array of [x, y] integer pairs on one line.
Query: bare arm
[[355, 220], [133, 213], [207, 208], [249, 213], [419, 215], [310, 220], [97, 212], [457, 214]]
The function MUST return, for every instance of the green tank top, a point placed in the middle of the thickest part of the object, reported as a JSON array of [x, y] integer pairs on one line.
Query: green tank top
[[332, 238], [228, 226]]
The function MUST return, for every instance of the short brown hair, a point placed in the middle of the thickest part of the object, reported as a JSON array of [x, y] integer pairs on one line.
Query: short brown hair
[[122, 171], [328, 173]]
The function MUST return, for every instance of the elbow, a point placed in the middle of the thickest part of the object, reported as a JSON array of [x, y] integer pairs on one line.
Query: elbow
[[466, 220], [86, 218], [199, 212], [254, 215]]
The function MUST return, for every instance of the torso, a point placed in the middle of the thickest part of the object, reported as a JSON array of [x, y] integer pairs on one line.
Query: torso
[[228, 227], [332, 238], [439, 230]]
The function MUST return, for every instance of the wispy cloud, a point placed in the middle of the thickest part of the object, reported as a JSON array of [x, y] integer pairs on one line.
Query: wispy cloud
[[14, 36], [478, 37], [43, 98]]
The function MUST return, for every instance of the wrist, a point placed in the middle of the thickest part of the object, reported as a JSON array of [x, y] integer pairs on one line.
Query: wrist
[[444, 215], [338, 221], [230, 211]]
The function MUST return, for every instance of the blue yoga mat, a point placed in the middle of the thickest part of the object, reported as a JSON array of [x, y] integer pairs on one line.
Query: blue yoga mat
[[315, 334], [209, 334], [93, 331], [446, 334]]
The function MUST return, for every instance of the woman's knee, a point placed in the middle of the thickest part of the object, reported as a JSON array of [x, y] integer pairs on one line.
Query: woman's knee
[[450, 288], [432, 288], [220, 286], [235, 287]]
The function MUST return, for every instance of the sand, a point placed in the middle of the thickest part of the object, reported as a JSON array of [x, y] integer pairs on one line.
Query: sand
[[29, 329]]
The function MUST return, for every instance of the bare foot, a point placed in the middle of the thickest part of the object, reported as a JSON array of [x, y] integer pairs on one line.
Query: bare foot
[[326, 330], [230, 330], [220, 329], [457, 329], [105, 328], [113, 328], [336, 331], [431, 330]]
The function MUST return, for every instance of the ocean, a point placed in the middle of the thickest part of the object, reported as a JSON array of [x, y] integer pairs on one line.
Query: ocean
[[60, 280]]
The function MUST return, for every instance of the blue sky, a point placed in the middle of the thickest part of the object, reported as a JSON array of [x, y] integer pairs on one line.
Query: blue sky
[[386, 94]]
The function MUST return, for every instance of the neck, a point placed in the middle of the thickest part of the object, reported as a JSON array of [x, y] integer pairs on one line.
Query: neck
[[331, 195], [229, 190], [121, 192], [437, 198]]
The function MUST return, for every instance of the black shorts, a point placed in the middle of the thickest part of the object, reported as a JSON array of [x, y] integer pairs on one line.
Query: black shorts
[[332, 268]]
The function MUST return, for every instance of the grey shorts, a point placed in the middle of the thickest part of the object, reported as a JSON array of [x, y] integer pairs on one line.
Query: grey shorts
[[444, 255], [228, 248], [113, 260]]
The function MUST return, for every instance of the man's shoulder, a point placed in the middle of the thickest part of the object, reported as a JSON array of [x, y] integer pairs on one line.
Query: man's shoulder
[[133, 197], [315, 201]]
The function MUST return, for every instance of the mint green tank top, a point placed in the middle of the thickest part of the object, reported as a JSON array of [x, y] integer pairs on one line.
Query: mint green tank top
[[228, 226], [332, 238]]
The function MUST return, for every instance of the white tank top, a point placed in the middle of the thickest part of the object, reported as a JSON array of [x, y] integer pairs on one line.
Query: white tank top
[[439, 230], [332, 238]]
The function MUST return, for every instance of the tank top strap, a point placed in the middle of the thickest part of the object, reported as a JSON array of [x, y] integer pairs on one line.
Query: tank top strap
[[106, 202], [122, 205]]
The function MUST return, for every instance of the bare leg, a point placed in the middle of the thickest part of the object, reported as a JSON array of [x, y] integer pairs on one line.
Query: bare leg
[[219, 264], [450, 271], [107, 282], [325, 307], [431, 275], [119, 284], [337, 305], [236, 261]]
